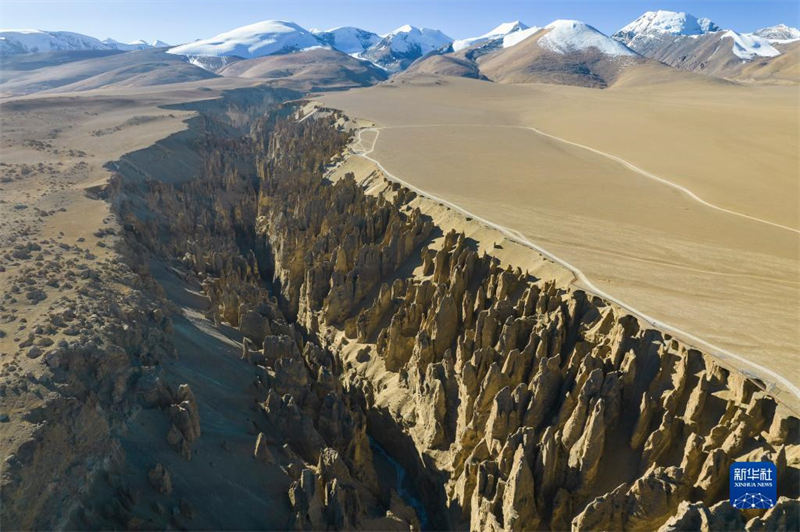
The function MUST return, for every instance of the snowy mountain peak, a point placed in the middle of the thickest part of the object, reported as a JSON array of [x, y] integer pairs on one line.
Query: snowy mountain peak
[[262, 38], [567, 36], [780, 33], [405, 28], [654, 24], [406, 38], [27, 41], [347, 39], [32, 41], [508, 27], [566, 23], [117, 45], [707, 25], [127, 46], [399, 48], [501, 31]]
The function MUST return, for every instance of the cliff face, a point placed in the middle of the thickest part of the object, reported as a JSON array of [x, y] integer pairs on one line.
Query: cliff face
[[343, 361], [513, 402], [535, 405]]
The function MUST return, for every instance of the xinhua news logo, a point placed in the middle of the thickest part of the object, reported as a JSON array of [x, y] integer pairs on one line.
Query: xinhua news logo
[[753, 485]]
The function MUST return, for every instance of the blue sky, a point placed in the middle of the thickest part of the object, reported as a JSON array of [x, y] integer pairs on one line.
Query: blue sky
[[178, 21]]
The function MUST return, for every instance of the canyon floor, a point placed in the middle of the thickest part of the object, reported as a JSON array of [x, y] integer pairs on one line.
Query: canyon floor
[[727, 273]]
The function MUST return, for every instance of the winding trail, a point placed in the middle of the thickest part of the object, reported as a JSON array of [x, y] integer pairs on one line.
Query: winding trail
[[514, 235], [619, 160]]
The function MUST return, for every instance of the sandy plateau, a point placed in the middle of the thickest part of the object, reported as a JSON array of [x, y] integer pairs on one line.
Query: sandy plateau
[[54, 150], [729, 279], [66, 287]]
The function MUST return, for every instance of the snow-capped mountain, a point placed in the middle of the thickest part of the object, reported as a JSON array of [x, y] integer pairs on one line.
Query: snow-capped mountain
[[684, 41], [567, 52], [255, 40], [135, 45], [778, 34], [461, 57], [393, 51], [408, 38], [38, 41], [656, 24], [568, 36], [503, 30], [675, 38], [125, 46], [348, 39], [659, 29], [33, 41], [399, 48], [656, 32]]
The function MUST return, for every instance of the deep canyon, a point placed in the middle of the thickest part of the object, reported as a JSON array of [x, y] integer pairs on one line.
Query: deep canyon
[[282, 343]]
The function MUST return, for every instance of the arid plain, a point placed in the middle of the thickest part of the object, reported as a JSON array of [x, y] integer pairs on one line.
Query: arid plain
[[729, 278]]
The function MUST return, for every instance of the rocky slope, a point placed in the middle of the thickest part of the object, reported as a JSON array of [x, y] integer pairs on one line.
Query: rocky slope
[[318, 342], [534, 405], [399, 48], [646, 33], [784, 68], [76, 321], [683, 41], [299, 426]]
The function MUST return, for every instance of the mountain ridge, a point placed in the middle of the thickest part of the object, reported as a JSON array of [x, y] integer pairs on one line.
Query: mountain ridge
[[677, 39], [683, 41], [26, 41]]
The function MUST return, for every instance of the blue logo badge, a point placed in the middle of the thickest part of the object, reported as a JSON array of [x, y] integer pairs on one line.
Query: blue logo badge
[[753, 485]]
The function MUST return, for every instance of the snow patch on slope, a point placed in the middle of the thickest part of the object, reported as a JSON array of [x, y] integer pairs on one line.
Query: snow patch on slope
[[347, 39], [517, 37], [747, 45], [135, 45], [255, 40], [503, 30], [779, 34], [211, 63], [567, 36], [126, 46]]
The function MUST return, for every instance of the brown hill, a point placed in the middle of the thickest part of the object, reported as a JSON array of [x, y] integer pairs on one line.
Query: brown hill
[[318, 68], [713, 54], [784, 68], [131, 69], [455, 65], [528, 62], [710, 53]]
